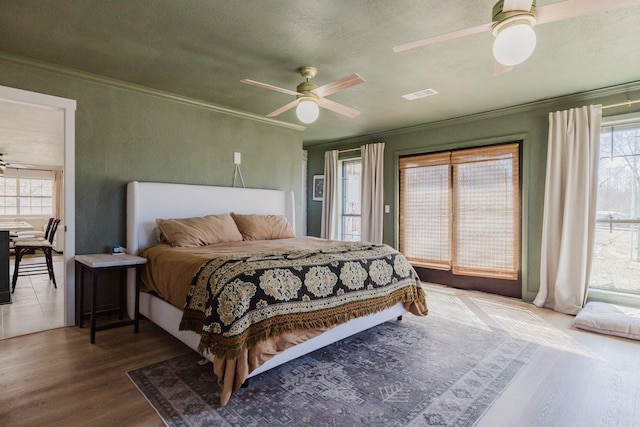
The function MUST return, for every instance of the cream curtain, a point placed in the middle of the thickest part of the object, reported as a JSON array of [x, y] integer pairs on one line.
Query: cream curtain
[[568, 226], [372, 207], [57, 194], [330, 225]]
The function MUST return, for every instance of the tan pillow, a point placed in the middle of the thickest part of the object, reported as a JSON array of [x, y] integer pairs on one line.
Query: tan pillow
[[199, 231], [263, 227]]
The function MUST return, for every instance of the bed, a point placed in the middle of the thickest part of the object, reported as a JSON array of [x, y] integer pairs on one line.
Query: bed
[[147, 201]]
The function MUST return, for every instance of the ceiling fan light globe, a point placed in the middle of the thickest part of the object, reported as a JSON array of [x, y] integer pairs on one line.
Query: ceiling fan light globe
[[514, 44], [307, 111]]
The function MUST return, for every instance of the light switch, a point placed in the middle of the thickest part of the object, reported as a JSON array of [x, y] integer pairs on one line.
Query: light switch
[[387, 209], [236, 158]]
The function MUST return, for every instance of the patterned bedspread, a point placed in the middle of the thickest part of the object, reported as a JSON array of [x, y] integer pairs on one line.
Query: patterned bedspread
[[239, 300]]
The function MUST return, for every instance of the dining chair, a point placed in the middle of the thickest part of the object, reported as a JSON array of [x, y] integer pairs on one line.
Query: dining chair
[[24, 246], [34, 234]]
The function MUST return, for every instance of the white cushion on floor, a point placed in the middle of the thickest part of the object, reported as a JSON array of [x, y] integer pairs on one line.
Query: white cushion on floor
[[609, 319]]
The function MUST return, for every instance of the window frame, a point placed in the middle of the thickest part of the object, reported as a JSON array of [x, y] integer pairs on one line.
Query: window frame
[[18, 196], [609, 221], [437, 157], [342, 164]]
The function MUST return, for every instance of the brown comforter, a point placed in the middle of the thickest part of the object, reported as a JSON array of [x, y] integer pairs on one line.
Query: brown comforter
[[190, 274]]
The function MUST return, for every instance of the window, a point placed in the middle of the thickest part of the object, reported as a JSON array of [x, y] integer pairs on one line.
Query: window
[[425, 210], [460, 211], [350, 229], [486, 206], [26, 196], [616, 255]]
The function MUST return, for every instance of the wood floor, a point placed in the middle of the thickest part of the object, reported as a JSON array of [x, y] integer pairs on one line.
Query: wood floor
[[577, 378], [57, 378]]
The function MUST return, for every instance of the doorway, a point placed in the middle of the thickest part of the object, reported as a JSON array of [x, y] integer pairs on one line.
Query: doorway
[[460, 216], [64, 110]]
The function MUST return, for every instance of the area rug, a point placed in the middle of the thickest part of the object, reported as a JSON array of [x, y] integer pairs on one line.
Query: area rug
[[415, 372]]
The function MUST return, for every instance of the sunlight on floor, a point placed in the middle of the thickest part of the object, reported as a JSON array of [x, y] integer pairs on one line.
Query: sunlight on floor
[[37, 305], [523, 324], [452, 308]]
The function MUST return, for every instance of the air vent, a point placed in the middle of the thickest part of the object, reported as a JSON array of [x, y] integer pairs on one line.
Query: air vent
[[419, 94]]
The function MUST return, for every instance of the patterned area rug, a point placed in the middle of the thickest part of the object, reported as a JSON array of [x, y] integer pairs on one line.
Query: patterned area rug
[[442, 370]]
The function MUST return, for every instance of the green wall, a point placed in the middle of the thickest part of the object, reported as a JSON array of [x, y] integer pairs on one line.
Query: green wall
[[126, 133], [527, 122]]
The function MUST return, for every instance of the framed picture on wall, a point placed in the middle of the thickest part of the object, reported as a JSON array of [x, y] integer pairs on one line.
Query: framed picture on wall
[[318, 187]]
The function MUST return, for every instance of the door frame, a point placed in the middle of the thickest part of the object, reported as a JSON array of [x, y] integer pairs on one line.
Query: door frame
[[68, 107], [490, 284], [525, 182]]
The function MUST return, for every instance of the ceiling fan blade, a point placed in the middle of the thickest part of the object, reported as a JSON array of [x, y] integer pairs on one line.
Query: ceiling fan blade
[[338, 108], [270, 87], [499, 68], [283, 109], [511, 5], [443, 37], [338, 85], [573, 8]]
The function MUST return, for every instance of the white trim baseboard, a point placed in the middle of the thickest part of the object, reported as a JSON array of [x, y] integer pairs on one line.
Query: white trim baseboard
[[614, 297]]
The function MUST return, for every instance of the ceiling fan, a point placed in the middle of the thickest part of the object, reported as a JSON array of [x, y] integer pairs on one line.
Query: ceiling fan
[[4, 164], [309, 96], [512, 26]]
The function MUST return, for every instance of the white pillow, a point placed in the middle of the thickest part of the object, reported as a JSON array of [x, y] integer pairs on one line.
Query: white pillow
[[609, 319]]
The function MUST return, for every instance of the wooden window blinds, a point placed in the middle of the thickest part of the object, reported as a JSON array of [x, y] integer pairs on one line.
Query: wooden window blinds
[[460, 211]]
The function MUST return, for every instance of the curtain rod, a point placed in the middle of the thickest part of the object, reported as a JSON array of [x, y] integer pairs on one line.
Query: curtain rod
[[348, 150], [621, 104]]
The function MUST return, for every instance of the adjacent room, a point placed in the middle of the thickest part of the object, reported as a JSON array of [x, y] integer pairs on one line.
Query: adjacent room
[[310, 213], [32, 190]]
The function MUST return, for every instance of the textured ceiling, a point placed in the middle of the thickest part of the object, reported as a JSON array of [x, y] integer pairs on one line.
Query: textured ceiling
[[202, 48]]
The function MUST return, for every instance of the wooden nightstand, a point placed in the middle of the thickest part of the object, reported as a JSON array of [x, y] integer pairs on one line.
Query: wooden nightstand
[[102, 262]]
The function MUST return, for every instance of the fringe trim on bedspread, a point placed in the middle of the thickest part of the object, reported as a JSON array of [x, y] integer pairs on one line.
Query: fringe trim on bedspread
[[230, 347]]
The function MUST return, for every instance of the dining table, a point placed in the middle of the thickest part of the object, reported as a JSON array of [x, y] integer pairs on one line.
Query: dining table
[[6, 228]]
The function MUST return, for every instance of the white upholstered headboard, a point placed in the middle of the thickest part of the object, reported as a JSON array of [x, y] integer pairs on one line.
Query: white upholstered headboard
[[147, 201]]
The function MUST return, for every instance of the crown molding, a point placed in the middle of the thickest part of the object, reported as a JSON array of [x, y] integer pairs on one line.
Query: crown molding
[[549, 103], [119, 84]]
